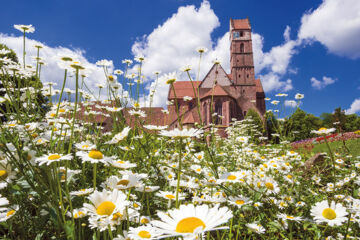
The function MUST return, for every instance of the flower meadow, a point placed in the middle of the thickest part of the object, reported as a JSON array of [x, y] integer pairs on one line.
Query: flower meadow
[[62, 176]]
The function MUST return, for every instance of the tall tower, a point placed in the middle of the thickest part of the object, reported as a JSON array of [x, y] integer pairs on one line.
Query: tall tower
[[241, 59]]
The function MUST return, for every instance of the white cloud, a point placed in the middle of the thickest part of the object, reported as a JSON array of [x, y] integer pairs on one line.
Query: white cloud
[[52, 72], [273, 65], [354, 108], [336, 24], [318, 84]]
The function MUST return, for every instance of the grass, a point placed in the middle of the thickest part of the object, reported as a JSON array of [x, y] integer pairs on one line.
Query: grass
[[353, 145]]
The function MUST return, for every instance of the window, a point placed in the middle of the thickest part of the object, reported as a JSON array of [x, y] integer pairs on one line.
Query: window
[[241, 34], [236, 35], [190, 105], [218, 110], [242, 47]]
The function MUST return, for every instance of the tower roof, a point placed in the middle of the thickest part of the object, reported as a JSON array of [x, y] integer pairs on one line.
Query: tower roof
[[240, 23]]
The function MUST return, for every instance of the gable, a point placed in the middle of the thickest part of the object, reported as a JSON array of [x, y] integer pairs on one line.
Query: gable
[[221, 77]]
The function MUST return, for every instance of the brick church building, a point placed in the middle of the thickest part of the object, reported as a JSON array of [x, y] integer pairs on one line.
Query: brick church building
[[230, 95]]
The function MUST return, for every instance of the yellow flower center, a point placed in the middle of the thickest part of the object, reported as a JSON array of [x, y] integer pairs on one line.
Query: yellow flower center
[[169, 196], [3, 174], [322, 129], [144, 221], [121, 162], [231, 177], [136, 205], [54, 157], [329, 213], [105, 208], [289, 176], [52, 115], [144, 234], [94, 154], [123, 182], [116, 216], [61, 110], [85, 146], [78, 214], [9, 213], [189, 224], [269, 186], [239, 202], [289, 217]]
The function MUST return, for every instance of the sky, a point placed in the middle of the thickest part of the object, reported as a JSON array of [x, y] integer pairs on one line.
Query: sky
[[310, 47]]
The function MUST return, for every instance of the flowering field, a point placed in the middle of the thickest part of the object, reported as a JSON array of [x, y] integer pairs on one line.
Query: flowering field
[[63, 177]]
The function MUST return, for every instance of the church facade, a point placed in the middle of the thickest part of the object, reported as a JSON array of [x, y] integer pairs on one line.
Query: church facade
[[223, 96]]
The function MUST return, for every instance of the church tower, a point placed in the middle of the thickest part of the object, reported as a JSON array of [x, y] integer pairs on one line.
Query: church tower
[[241, 54]]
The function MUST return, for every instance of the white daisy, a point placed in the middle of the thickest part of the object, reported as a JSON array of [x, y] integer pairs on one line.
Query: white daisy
[[143, 232], [51, 158], [189, 221], [106, 204], [85, 146], [94, 156], [122, 164], [333, 215], [82, 192]]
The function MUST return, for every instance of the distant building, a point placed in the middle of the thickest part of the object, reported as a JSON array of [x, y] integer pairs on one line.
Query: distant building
[[232, 95], [229, 95]]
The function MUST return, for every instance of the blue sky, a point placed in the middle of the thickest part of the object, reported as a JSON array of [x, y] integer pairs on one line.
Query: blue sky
[[294, 41]]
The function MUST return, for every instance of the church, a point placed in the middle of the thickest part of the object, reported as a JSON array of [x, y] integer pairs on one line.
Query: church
[[229, 95]]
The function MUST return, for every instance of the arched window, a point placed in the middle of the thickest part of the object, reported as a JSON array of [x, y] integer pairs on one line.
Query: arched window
[[218, 110], [205, 115], [242, 47]]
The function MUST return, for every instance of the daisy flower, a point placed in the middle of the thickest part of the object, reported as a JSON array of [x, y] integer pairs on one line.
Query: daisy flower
[[8, 213], [333, 215], [257, 228], [51, 158], [106, 204], [94, 156], [170, 195], [143, 232], [323, 131], [25, 28], [239, 201], [190, 221], [284, 217], [82, 192], [85, 146], [122, 164], [77, 213]]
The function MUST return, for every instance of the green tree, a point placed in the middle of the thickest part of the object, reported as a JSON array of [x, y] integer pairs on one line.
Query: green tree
[[301, 123]]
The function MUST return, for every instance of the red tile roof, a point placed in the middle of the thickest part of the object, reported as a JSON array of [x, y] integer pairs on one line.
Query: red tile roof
[[217, 91], [240, 23], [184, 88]]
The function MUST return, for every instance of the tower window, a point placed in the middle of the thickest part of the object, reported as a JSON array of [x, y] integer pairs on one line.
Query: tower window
[[247, 76], [236, 35], [242, 47], [241, 34]]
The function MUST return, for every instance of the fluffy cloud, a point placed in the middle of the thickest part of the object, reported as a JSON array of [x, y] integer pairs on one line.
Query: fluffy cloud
[[354, 108], [336, 24], [318, 84], [51, 72], [273, 65]]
